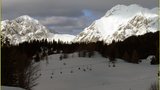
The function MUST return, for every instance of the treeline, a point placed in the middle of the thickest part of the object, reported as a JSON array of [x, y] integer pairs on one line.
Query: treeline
[[17, 59], [134, 48]]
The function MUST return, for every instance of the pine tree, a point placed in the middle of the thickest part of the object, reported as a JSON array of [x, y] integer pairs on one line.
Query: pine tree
[[90, 54], [117, 53], [135, 57], [126, 56], [83, 53]]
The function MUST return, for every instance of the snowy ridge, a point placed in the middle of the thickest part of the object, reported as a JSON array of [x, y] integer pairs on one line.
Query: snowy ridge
[[66, 38], [119, 23], [25, 28]]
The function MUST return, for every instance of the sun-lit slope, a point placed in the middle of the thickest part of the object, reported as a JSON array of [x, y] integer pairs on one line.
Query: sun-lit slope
[[119, 23], [23, 28], [94, 73], [26, 28]]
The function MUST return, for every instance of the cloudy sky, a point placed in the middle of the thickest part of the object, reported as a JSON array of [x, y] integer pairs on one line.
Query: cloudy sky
[[65, 16]]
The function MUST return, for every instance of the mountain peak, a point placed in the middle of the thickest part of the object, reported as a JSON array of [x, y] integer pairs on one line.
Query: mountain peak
[[25, 17], [119, 23], [126, 11], [26, 28], [23, 28]]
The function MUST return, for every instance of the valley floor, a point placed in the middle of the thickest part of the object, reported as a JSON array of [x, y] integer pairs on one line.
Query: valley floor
[[78, 73]]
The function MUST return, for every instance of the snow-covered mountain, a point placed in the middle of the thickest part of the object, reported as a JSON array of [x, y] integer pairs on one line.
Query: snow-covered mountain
[[25, 28], [120, 23], [117, 24]]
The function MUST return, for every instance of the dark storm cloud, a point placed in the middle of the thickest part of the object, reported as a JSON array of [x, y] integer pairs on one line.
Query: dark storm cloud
[[62, 21], [68, 16], [65, 24], [72, 8]]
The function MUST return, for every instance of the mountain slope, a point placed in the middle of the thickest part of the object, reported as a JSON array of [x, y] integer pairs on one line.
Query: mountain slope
[[66, 38], [119, 23], [25, 28]]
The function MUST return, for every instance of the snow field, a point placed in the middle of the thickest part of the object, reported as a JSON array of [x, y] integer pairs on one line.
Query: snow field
[[94, 74]]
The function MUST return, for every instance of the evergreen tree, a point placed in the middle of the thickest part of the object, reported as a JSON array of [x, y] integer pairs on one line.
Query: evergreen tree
[[126, 56], [135, 57], [90, 54]]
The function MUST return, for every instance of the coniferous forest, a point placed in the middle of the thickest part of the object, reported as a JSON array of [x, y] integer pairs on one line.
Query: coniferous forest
[[17, 59]]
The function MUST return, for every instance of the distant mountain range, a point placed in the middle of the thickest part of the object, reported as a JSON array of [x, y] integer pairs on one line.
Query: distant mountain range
[[117, 24]]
